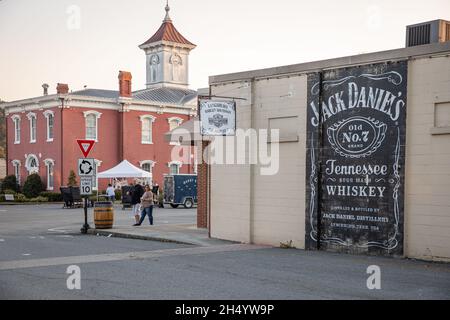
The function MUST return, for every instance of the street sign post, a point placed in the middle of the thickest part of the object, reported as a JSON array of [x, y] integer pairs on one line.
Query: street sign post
[[86, 171]]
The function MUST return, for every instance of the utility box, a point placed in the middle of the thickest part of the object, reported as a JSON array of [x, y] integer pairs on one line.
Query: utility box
[[427, 32], [180, 189]]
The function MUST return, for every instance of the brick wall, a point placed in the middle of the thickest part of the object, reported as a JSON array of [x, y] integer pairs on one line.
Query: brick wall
[[202, 191]]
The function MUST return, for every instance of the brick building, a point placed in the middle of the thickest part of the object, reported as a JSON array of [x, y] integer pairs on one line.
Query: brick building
[[126, 124]]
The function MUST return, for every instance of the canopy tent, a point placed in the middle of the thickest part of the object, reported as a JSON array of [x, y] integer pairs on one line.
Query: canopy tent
[[124, 170]]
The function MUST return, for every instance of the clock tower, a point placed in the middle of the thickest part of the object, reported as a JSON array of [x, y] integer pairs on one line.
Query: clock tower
[[167, 56]]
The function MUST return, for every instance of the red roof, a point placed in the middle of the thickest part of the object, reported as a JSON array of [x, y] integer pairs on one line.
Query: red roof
[[168, 32]]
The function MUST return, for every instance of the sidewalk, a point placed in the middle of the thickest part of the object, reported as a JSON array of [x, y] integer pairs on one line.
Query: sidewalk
[[177, 233]]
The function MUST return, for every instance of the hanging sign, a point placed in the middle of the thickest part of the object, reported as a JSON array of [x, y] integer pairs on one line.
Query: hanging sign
[[217, 118]]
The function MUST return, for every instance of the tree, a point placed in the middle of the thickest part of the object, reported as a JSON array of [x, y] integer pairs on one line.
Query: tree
[[33, 186], [10, 183], [72, 179]]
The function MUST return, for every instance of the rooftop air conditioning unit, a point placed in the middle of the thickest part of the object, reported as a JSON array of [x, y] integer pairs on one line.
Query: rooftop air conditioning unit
[[427, 32]]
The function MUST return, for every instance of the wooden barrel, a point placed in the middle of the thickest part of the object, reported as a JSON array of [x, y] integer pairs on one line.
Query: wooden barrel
[[103, 215]]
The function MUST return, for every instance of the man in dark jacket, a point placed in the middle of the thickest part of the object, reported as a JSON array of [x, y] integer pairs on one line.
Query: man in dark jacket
[[136, 194]]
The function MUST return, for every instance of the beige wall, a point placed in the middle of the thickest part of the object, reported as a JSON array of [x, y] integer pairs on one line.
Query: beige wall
[[230, 184], [427, 194], [273, 211]]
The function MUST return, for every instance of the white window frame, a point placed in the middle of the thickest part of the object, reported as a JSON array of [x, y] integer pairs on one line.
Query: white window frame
[[97, 116], [98, 163], [47, 115], [180, 122], [178, 163], [150, 162], [16, 120], [27, 163], [152, 120], [177, 119], [50, 163], [16, 164], [33, 131]]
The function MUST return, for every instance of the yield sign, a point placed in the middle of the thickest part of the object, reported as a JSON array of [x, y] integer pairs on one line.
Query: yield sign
[[85, 146]]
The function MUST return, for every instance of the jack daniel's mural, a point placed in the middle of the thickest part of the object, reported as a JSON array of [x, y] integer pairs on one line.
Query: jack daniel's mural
[[355, 163]]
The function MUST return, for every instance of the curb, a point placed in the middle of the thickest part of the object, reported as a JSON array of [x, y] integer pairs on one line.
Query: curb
[[136, 237]]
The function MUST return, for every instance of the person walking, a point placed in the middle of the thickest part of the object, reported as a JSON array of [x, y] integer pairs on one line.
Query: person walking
[[111, 193], [136, 195], [147, 206]]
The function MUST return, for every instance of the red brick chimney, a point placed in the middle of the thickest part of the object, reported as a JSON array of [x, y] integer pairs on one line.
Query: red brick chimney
[[62, 88], [125, 84]]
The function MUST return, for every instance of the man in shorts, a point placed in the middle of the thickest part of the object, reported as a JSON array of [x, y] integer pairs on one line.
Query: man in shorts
[[136, 194]]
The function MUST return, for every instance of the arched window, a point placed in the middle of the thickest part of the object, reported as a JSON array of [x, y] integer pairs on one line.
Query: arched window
[[50, 164], [174, 167], [154, 62], [50, 124], [16, 120], [147, 129], [174, 122], [32, 164], [91, 122], [147, 165], [97, 164], [16, 165], [32, 117], [176, 62]]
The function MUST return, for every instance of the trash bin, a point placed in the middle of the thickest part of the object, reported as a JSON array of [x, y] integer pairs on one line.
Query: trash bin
[[103, 215]]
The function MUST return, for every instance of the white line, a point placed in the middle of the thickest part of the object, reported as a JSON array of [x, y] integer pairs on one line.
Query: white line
[[34, 263]]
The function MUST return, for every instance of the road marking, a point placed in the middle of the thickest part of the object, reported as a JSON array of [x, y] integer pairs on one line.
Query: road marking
[[2, 240], [57, 230], [34, 263], [26, 254]]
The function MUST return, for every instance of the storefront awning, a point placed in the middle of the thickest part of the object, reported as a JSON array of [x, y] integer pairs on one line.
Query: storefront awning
[[186, 134]]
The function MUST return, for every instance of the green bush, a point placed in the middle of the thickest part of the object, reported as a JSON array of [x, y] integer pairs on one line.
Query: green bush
[[20, 198], [52, 196], [38, 199], [118, 193], [10, 183], [33, 186], [9, 191], [72, 179]]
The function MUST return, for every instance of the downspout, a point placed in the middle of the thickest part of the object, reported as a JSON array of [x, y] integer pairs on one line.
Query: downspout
[[208, 174], [6, 143], [62, 143], [252, 165], [121, 131]]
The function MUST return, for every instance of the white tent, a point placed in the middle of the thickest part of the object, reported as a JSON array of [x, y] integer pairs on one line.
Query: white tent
[[124, 170]]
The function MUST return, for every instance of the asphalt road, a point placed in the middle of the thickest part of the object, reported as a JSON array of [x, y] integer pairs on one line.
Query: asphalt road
[[39, 243]]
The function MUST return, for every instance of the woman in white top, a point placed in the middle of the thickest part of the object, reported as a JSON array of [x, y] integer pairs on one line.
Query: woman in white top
[[111, 193]]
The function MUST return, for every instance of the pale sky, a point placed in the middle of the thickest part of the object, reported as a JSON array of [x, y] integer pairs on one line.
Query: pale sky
[[42, 41]]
